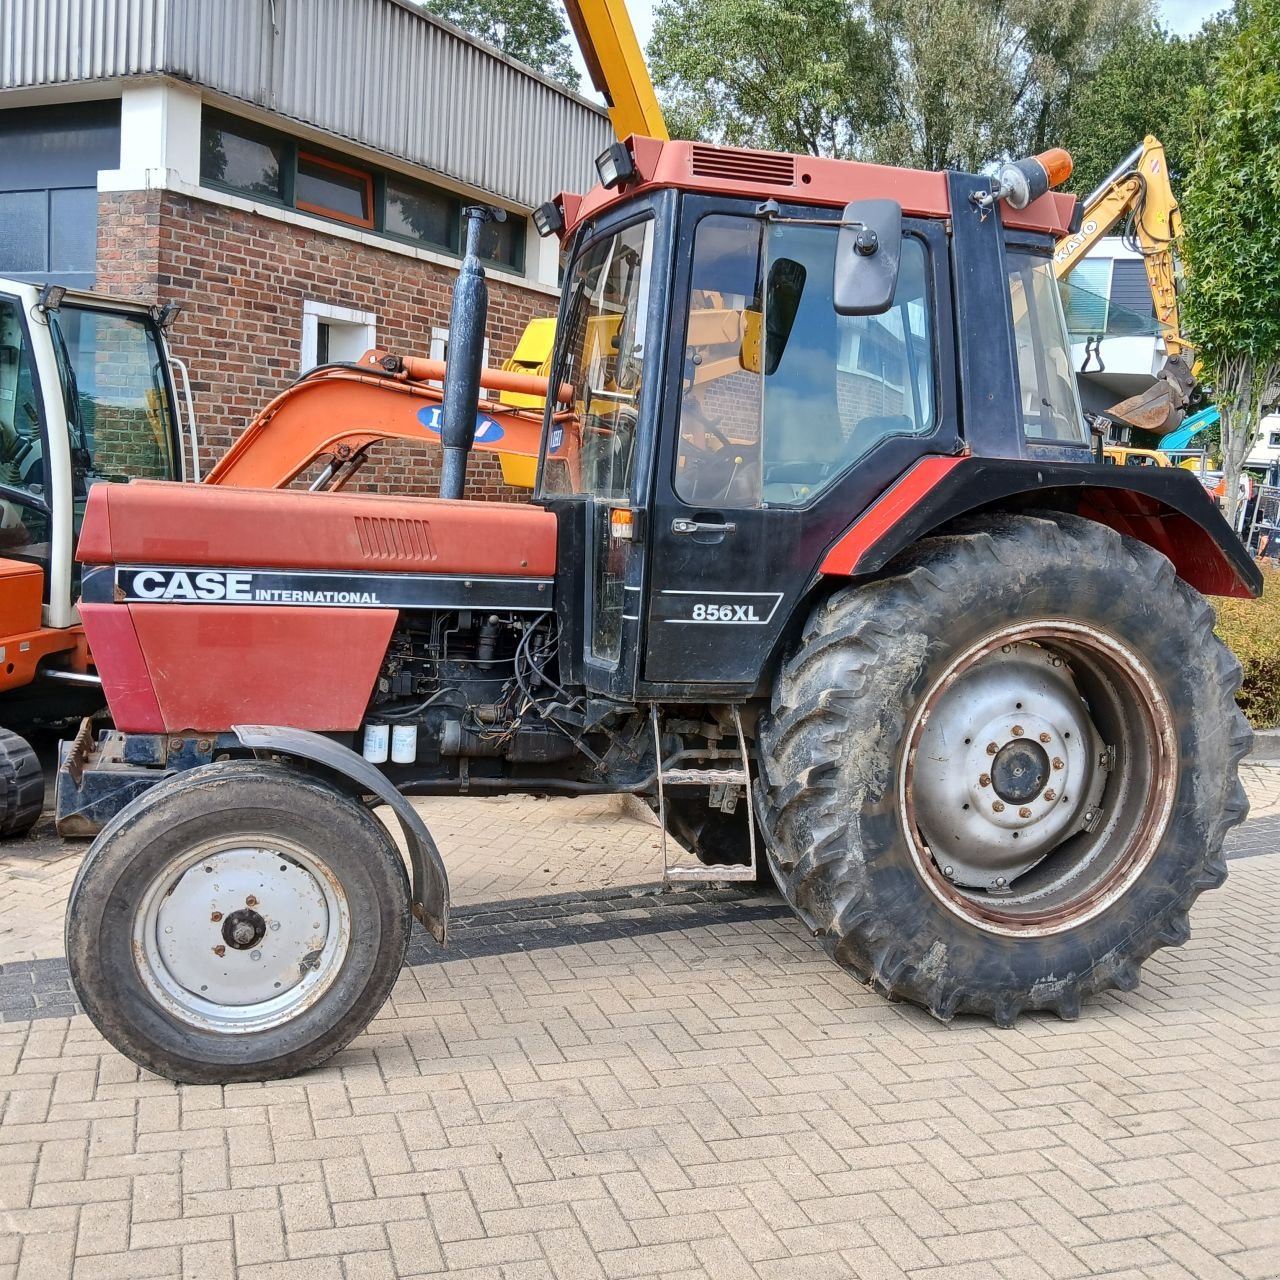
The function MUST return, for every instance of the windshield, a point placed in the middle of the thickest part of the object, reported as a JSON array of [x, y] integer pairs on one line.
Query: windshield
[[119, 416], [592, 449]]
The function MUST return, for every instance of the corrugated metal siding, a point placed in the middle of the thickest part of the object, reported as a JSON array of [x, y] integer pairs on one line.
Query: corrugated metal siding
[[55, 41], [375, 71]]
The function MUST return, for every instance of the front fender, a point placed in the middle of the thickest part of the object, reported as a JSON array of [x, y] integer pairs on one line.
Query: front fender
[[430, 880], [1165, 507]]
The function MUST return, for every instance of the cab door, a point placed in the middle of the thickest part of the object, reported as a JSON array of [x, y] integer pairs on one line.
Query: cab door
[[597, 459], [783, 422]]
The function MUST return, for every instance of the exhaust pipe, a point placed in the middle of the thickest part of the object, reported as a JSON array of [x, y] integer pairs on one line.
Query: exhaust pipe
[[468, 314]]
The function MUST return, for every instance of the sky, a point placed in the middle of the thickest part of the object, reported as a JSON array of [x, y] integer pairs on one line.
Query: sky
[[1182, 17]]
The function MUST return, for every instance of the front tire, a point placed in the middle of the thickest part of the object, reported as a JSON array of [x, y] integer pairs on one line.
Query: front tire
[[242, 921], [996, 780]]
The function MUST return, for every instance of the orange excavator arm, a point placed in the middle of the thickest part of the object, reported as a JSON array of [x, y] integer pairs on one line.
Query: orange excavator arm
[[334, 414]]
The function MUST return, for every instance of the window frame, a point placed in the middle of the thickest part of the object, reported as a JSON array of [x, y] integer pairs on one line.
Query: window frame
[[350, 171]]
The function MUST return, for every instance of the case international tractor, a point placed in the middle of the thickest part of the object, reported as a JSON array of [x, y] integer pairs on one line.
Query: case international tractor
[[819, 561]]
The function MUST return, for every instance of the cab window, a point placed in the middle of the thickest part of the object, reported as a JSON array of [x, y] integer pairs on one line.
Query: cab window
[[781, 396], [1051, 412]]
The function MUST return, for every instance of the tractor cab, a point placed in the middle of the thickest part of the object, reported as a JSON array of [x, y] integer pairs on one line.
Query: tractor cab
[[751, 375]]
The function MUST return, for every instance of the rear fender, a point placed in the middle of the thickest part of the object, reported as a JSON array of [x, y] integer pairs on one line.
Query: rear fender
[[354, 774], [1165, 507]]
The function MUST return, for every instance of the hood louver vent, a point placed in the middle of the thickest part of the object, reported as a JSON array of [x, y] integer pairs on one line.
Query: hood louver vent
[[383, 539], [733, 165]]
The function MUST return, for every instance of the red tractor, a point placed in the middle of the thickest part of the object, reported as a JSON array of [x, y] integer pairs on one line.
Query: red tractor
[[819, 561]]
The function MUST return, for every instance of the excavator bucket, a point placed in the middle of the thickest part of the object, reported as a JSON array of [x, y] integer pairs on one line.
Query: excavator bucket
[[1162, 406]]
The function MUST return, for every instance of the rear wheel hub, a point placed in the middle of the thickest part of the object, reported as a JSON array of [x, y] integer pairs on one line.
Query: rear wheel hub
[[1020, 771]]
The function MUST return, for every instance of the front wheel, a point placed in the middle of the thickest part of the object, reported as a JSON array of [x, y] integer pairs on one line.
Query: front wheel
[[997, 780], [243, 921]]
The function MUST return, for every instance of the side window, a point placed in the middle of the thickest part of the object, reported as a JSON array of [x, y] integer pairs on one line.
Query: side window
[[21, 448], [718, 458], [119, 418], [781, 396], [836, 386], [1051, 412]]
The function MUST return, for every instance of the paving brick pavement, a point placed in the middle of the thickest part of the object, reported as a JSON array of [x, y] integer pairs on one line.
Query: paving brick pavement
[[613, 1084]]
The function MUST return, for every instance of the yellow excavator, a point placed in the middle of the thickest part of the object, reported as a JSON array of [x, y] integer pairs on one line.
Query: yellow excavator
[[1137, 191]]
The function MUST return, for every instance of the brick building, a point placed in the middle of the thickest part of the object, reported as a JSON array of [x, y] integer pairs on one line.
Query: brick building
[[291, 171]]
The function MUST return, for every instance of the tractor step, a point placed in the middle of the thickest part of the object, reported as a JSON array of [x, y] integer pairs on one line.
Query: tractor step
[[706, 777], [726, 780]]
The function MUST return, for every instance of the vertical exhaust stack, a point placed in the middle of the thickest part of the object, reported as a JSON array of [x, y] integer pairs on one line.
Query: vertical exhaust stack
[[467, 317]]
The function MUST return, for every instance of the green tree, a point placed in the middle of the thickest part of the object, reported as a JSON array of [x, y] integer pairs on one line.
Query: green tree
[[531, 31], [1142, 84], [1231, 245], [929, 83], [783, 75]]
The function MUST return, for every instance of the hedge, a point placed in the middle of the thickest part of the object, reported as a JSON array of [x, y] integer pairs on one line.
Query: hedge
[[1252, 629]]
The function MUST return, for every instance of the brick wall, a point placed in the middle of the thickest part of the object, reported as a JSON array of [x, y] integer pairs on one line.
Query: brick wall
[[242, 279]]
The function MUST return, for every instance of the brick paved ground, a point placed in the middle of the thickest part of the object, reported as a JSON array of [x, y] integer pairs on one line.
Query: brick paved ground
[[622, 1085]]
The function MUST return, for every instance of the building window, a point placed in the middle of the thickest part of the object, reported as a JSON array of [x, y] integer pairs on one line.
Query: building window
[[237, 156], [417, 212], [335, 335], [334, 190], [503, 242], [49, 163], [250, 160]]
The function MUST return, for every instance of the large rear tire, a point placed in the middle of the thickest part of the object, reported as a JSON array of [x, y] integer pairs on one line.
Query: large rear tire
[[997, 779], [243, 921], [21, 785]]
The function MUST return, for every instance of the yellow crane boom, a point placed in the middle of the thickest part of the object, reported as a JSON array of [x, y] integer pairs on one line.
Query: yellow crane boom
[[1138, 188], [616, 65], [1138, 185]]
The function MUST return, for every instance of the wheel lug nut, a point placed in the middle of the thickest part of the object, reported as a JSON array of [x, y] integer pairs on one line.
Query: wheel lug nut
[[1057, 764], [251, 901], [1051, 794], [1044, 737], [992, 748], [219, 950], [1024, 812], [217, 915], [998, 806], [255, 955], [984, 780], [1017, 731]]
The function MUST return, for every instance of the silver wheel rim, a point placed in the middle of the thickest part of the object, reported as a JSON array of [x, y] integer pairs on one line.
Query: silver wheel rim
[[1038, 779], [241, 934]]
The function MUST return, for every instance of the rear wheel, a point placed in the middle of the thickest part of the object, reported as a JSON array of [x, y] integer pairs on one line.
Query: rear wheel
[[997, 780], [21, 785], [242, 921]]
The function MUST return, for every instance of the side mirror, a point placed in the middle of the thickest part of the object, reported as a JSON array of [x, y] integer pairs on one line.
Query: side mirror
[[868, 254]]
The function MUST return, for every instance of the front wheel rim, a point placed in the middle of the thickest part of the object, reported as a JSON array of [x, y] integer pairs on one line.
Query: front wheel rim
[[1046, 831], [241, 934]]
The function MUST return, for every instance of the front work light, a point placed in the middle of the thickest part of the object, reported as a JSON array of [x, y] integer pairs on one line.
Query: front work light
[[615, 165], [548, 220], [51, 297]]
